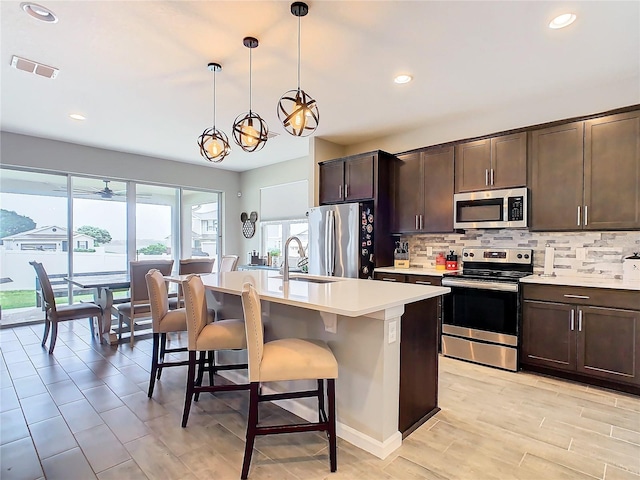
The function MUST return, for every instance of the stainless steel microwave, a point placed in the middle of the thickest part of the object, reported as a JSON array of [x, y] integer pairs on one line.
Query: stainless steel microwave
[[491, 209]]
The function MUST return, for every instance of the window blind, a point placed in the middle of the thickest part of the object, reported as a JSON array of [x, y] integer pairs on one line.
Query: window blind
[[284, 202]]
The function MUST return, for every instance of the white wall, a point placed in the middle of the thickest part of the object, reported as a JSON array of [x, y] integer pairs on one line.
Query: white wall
[[54, 156], [251, 182]]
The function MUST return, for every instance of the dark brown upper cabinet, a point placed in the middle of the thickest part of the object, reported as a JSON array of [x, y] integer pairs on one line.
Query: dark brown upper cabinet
[[586, 175], [492, 163], [348, 179], [423, 191]]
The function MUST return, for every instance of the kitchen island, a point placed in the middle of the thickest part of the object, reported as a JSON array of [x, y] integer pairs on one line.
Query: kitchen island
[[363, 322]]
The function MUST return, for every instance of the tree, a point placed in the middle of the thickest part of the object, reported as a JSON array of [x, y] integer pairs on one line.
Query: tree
[[12, 223], [154, 249], [100, 235]]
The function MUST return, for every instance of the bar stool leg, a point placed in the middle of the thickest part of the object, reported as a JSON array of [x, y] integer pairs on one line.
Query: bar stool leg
[[252, 423], [212, 366], [201, 364], [191, 375], [163, 347], [154, 364], [333, 447], [322, 416]]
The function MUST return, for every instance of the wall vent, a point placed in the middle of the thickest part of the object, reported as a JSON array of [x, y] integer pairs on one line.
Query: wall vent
[[34, 67]]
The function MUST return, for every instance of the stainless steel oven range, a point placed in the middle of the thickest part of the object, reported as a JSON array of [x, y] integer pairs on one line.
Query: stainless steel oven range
[[481, 316]]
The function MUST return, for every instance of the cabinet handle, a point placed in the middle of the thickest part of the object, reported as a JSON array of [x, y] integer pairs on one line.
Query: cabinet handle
[[576, 296], [422, 282], [492, 176], [578, 215], [573, 314], [585, 215], [579, 320], [420, 222], [416, 221], [486, 176], [389, 279], [340, 192], [346, 190]]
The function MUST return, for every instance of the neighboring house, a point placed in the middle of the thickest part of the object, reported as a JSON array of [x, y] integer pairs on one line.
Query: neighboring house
[[50, 239]]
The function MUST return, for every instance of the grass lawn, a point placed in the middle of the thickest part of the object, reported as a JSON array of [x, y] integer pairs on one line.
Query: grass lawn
[[27, 298]]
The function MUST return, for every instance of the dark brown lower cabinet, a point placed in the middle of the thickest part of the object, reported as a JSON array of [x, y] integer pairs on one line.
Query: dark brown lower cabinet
[[592, 342]]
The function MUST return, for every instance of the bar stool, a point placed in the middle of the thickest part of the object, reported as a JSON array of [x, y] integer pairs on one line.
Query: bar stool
[[282, 360], [163, 321], [206, 338]]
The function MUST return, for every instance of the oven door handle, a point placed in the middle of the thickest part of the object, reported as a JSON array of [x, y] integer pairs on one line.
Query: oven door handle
[[480, 285]]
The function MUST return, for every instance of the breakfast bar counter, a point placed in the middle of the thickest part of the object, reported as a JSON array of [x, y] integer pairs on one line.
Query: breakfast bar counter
[[383, 335]]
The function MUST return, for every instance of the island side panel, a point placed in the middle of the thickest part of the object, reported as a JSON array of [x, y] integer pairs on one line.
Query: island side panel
[[367, 389], [418, 364]]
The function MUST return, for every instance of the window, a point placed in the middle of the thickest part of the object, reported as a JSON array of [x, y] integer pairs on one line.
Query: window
[[83, 244], [209, 226], [275, 234]]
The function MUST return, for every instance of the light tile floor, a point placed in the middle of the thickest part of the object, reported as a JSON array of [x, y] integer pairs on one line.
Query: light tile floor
[[83, 413]]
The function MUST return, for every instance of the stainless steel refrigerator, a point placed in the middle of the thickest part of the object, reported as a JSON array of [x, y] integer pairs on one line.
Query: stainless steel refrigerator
[[341, 240]]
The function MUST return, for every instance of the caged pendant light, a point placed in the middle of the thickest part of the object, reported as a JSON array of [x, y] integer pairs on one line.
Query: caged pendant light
[[297, 111], [250, 131], [214, 144]]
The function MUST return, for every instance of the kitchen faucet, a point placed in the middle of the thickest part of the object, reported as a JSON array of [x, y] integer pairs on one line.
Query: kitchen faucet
[[285, 265]]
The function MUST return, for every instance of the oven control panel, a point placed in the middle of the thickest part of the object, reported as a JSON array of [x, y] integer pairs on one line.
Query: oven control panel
[[498, 255]]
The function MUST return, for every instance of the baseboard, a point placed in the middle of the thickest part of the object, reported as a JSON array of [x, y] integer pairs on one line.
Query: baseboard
[[365, 442]]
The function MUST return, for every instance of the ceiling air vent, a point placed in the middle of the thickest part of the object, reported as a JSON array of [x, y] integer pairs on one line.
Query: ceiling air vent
[[34, 67]]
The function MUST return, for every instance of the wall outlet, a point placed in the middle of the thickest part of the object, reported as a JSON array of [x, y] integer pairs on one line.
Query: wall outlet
[[393, 331], [429, 251], [580, 253]]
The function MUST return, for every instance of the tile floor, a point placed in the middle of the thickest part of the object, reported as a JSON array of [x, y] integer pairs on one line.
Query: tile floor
[[83, 413]]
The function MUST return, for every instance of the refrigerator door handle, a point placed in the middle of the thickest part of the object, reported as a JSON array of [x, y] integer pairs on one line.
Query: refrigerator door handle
[[331, 243], [327, 223]]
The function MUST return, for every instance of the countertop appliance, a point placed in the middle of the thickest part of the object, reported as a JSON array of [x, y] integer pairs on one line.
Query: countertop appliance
[[481, 317], [341, 239], [491, 209]]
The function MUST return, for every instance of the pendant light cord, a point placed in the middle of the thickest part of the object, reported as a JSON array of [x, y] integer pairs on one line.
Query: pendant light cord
[[298, 53], [214, 98], [250, 70]]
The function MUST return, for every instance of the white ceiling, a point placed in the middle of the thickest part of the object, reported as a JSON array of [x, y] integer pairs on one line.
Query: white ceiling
[[137, 69]]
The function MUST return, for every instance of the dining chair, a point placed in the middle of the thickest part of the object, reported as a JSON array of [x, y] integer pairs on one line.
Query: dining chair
[[163, 321], [229, 263], [55, 314], [284, 360], [190, 266], [138, 307], [205, 338]]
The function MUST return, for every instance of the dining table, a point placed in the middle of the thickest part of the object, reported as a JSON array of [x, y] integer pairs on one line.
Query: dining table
[[103, 286]]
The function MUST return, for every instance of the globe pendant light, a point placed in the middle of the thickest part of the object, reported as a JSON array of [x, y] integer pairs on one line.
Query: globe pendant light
[[250, 131], [297, 111], [214, 144]]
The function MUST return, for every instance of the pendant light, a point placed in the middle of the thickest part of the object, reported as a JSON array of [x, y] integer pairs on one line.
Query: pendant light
[[250, 131], [214, 144], [297, 111]]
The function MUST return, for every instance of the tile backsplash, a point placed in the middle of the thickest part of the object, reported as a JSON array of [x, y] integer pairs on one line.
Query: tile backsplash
[[602, 254]]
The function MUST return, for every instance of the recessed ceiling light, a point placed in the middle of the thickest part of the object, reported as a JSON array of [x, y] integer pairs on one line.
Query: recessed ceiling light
[[403, 78], [77, 116], [39, 12], [563, 20]]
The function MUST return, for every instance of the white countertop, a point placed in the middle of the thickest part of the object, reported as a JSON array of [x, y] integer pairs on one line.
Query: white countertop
[[577, 281], [414, 271], [344, 296]]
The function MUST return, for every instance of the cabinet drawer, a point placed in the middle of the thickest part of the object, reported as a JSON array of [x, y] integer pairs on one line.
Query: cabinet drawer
[[601, 297], [390, 277], [424, 280]]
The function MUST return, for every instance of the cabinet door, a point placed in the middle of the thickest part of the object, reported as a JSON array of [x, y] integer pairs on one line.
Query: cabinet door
[[556, 177], [548, 335], [358, 173], [473, 161], [609, 344], [612, 172], [509, 161], [438, 190], [331, 182], [408, 195]]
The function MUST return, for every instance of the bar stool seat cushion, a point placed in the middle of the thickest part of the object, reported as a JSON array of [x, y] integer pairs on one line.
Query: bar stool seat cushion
[[174, 321], [222, 335], [125, 308], [297, 359]]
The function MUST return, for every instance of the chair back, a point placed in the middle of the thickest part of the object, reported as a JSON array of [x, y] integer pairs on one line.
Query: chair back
[[253, 329], [196, 307], [48, 296], [158, 297], [229, 263], [196, 265], [138, 270]]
